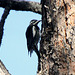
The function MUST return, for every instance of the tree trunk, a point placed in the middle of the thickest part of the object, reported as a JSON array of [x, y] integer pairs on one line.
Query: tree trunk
[[57, 48]]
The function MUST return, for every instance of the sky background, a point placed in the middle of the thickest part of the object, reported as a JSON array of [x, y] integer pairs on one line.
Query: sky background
[[13, 50]]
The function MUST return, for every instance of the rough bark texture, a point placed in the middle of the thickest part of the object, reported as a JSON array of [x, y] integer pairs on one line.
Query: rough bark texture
[[57, 48]]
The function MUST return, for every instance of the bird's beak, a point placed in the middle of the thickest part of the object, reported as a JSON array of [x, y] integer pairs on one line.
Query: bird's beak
[[38, 21]]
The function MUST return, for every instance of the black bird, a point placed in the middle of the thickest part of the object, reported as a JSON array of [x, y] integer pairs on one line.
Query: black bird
[[33, 36]]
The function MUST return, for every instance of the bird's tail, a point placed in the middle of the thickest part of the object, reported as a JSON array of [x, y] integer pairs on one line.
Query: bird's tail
[[37, 52]]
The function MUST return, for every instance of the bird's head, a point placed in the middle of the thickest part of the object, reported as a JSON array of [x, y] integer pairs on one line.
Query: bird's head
[[34, 22]]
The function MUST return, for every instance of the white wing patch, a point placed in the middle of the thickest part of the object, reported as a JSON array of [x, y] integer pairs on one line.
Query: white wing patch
[[34, 31]]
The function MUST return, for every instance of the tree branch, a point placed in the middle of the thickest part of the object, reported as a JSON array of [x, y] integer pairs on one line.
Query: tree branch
[[22, 5], [2, 21]]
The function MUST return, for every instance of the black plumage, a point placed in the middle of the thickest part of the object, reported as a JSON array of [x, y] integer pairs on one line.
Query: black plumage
[[33, 36]]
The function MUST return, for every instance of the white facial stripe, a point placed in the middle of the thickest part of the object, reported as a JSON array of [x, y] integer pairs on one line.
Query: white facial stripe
[[33, 30], [36, 22]]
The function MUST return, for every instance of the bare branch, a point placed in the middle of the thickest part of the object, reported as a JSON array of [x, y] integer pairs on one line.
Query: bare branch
[[2, 21], [22, 5]]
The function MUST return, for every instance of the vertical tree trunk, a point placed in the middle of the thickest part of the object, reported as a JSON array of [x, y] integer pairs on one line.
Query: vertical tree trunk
[[57, 47]]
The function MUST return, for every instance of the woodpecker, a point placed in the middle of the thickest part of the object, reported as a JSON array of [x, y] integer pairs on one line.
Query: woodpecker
[[33, 36]]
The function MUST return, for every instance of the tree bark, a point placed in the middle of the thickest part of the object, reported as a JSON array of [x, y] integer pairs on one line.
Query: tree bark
[[2, 21], [22, 5], [57, 47]]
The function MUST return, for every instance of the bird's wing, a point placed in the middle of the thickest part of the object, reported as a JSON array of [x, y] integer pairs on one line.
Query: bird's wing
[[30, 40]]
